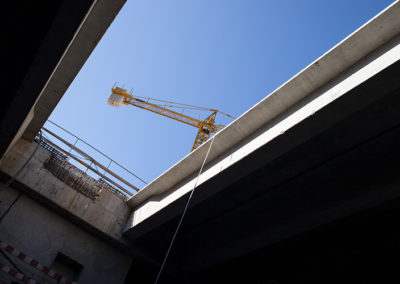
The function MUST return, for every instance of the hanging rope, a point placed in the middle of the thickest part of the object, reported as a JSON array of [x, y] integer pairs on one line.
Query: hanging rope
[[183, 213]]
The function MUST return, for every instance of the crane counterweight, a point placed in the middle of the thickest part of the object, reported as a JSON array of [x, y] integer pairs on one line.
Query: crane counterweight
[[115, 99]]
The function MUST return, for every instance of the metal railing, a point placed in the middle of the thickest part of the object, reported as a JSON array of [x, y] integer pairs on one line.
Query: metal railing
[[67, 146]]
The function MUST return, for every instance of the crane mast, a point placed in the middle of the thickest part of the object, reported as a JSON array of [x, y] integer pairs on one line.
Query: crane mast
[[205, 127]]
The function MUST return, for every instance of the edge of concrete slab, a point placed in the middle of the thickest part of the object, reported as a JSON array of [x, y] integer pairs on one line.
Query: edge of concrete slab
[[368, 38], [93, 27]]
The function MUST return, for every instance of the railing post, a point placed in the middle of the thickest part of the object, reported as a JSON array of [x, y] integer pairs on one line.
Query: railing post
[[70, 149], [105, 171], [89, 166]]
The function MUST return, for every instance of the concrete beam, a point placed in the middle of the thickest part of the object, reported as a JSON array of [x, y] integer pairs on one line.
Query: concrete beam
[[335, 163], [366, 52], [55, 50], [98, 19]]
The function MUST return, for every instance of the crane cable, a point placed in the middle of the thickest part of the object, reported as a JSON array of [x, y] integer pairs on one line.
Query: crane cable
[[183, 213]]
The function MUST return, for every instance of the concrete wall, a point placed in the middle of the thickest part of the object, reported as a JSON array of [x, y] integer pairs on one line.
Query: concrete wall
[[41, 234], [108, 212]]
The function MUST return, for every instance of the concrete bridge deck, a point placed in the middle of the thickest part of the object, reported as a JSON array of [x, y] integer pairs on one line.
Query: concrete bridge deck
[[321, 147]]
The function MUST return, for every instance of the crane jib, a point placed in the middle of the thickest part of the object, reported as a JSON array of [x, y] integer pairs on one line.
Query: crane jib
[[164, 112], [205, 127]]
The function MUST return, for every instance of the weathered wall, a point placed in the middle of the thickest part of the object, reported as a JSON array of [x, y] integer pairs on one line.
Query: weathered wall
[[40, 233], [107, 213]]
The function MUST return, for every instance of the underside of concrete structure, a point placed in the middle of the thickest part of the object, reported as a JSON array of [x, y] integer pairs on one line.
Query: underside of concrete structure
[[302, 188], [298, 197], [47, 44], [57, 225], [327, 193]]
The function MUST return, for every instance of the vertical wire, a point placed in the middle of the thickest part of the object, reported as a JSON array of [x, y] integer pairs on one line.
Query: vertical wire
[[183, 214]]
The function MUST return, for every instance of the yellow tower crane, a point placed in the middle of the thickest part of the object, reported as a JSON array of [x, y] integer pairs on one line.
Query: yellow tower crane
[[206, 127]]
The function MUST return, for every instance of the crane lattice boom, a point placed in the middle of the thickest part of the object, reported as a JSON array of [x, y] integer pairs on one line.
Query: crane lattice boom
[[206, 127]]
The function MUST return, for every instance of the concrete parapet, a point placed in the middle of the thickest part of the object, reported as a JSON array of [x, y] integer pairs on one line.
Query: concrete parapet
[[101, 207]]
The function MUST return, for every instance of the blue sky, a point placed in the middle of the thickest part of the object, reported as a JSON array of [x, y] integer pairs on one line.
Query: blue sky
[[222, 54]]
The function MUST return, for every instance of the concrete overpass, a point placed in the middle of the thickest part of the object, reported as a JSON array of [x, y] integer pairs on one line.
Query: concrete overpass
[[318, 151], [47, 44], [302, 188]]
